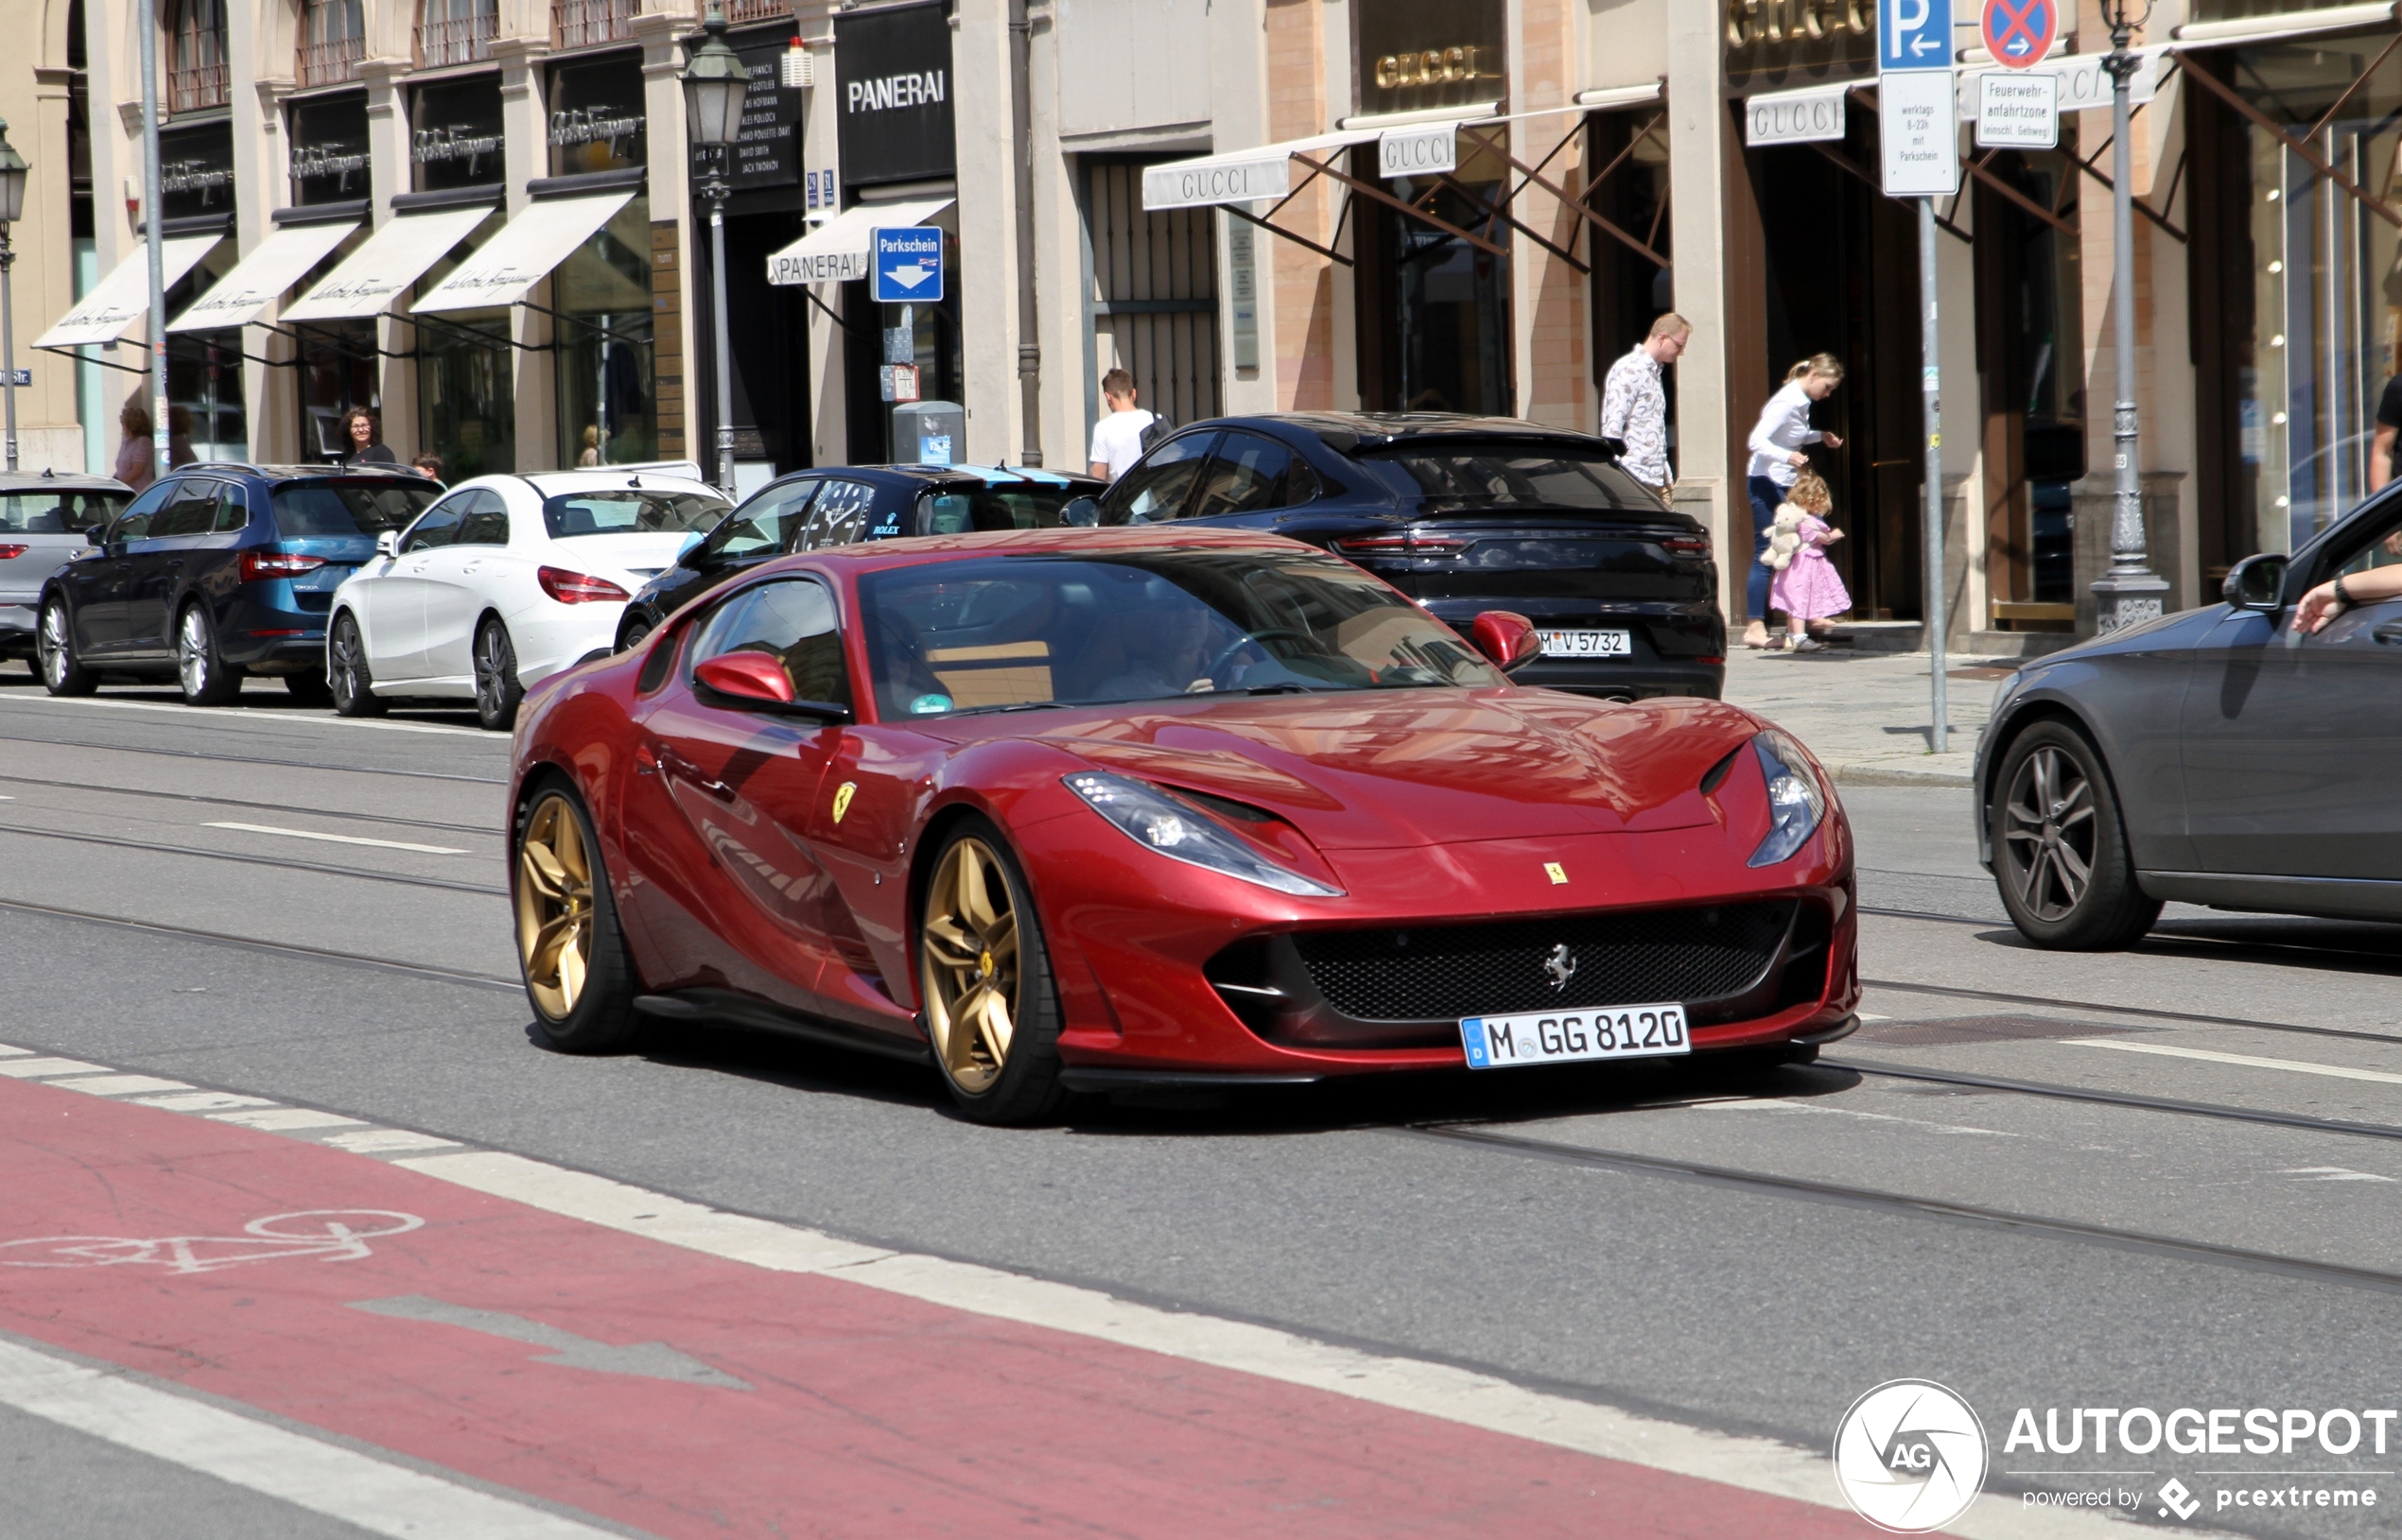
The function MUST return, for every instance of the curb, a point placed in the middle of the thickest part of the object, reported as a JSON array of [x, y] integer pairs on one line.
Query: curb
[[1890, 772]]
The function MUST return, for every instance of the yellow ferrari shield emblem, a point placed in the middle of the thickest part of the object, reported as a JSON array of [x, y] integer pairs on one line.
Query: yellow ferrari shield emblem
[[1551, 869], [842, 802]]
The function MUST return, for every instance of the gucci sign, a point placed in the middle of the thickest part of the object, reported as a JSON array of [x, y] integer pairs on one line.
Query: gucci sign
[[1432, 67], [1749, 23]]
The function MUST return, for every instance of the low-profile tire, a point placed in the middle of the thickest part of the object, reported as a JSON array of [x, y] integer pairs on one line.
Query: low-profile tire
[[206, 676], [54, 660], [986, 1004], [309, 688], [2060, 845], [497, 690], [570, 951], [349, 681]]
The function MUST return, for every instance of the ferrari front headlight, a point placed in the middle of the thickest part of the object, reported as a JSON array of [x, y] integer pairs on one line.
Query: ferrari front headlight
[[1159, 823], [1796, 800]]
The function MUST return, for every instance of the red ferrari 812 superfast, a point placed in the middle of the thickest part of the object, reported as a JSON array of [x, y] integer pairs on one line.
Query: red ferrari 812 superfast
[[1081, 810]]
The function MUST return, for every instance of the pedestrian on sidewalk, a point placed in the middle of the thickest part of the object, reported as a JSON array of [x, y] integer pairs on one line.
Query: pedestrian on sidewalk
[[1634, 408], [1806, 586], [363, 442], [1119, 438], [1778, 458]]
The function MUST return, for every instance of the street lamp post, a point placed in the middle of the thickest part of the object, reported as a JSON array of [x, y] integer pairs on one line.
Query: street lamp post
[[13, 173], [715, 82], [2130, 593]]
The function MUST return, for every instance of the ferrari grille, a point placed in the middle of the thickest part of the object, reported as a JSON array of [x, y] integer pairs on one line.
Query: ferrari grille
[[1447, 972]]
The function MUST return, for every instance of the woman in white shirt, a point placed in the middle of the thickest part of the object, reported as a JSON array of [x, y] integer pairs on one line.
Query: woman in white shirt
[[1777, 458]]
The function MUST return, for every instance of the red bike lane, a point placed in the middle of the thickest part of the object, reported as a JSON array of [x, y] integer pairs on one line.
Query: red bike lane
[[287, 1276]]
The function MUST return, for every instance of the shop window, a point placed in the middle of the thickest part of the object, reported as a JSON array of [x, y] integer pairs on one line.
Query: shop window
[[1434, 308], [597, 116], [455, 134], [2030, 323], [466, 382], [329, 148], [205, 407], [456, 31], [333, 40], [608, 412], [197, 79]]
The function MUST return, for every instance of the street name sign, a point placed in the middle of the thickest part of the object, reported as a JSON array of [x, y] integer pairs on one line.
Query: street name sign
[[2018, 111], [906, 265], [2018, 33], [1913, 35]]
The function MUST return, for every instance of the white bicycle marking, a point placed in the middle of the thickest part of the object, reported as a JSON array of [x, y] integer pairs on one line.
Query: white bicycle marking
[[339, 1234]]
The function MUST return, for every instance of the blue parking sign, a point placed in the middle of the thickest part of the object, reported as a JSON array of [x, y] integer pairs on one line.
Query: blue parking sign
[[908, 265], [1913, 35]]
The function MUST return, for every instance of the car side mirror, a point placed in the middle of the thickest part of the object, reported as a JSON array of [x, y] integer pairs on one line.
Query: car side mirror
[[1081, 513], [2257, 583], [97, 535], [388, 542], [1507, 638], [755, 682]]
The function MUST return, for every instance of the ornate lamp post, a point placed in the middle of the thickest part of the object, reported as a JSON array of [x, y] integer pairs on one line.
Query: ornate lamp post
[[2130, 593], [715, 82], [12, 171]]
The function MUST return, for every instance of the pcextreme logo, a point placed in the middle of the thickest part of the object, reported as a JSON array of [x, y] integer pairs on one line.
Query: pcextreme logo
[[1909, 1455]]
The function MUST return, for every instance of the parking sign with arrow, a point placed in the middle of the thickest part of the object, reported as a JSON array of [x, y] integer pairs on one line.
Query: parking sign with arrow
[[907, 265], [1913, 35]]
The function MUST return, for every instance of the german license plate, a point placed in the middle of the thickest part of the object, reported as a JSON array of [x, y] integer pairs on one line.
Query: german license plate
[[1588, 644], [1545, 1037]]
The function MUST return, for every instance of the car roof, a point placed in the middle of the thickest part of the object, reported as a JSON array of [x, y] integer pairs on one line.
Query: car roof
[[1361, 430], [297, 472], [919, 550], [613, 478], [56, 481]]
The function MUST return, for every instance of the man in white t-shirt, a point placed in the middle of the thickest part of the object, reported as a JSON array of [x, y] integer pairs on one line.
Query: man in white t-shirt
[[1116, 439]]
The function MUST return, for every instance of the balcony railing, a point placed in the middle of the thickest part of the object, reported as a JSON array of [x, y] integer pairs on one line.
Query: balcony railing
[[582, 23], [197, 88], [743, 11], [464, 40], [332, 62]]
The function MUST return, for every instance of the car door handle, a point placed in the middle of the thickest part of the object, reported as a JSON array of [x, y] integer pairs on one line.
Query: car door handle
[[2390, 633]]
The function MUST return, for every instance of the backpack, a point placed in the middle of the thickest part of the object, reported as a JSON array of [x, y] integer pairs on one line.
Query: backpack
[[1155, 430]]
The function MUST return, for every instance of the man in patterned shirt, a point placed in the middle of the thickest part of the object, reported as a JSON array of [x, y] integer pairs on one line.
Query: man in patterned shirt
[[1634, 410]]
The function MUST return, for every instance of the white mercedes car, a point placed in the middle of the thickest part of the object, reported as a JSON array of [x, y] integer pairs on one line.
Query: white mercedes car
[[505, 582]]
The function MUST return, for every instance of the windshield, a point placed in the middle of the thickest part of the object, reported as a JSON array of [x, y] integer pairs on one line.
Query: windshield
[[1023, 631], [624, 511], [333, 509], [1473, 477], [58, 512], [958, 510]]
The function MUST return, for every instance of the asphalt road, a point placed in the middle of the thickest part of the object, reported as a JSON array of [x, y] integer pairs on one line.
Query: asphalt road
[[2165, 1178]]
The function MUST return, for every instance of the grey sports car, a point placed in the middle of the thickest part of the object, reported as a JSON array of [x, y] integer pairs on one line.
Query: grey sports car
[[2214, 757]]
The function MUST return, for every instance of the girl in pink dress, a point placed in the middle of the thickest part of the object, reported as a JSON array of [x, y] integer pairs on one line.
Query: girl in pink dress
[[1807, 587]]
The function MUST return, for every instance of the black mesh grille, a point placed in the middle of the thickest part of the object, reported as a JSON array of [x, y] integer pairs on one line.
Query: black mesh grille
[[1446, 972]]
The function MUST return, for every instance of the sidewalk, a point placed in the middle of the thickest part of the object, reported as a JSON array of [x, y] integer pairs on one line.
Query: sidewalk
[[1867, 715]]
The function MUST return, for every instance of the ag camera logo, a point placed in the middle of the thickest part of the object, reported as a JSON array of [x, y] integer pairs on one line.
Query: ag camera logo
[[1909, 1455]]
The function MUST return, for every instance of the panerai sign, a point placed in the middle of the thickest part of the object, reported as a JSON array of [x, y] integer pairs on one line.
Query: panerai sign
[[892, 73]]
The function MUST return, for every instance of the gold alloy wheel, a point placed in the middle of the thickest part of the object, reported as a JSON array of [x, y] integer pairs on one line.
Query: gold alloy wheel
[[967, 951], [554, 906]]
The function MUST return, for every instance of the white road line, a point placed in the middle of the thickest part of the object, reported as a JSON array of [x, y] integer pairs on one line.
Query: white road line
[[345, 1484], [120, 1085], [1430, 1389], [339, 839], [312, 721], [2341, 1072]]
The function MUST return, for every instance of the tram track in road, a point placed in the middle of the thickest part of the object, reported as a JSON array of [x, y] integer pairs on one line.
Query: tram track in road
[[253, 759], [352, 814], [1878, 1200], [2144, 1013], [253, 944], [2117, 1099], [152, 847]]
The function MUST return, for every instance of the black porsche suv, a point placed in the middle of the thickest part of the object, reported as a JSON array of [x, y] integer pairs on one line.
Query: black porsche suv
[[1464, 514]]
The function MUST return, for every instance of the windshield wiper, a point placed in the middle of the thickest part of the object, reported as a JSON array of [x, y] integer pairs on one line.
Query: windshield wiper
[[1283, 688]]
